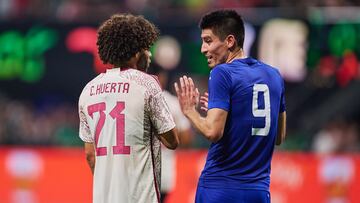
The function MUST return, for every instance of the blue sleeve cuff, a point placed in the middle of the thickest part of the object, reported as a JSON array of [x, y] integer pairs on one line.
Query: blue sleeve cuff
[[219, 104]]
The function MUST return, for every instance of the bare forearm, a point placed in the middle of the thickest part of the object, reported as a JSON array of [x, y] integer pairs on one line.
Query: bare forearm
[[91, 162], [202, 125], [170, 139], [90, 155], [281, 132]]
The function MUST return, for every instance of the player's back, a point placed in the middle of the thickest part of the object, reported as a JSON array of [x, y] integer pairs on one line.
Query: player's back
[[241, 158], [116, 104]]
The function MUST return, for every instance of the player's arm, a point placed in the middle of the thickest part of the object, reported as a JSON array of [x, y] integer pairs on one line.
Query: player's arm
[[185, 136], [170, 139], [86, 136], [212, 126], [162, 119], [90, 155], [281, 131]]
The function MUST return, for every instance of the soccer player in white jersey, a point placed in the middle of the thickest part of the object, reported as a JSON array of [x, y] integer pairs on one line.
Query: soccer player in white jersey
[[124, 117]]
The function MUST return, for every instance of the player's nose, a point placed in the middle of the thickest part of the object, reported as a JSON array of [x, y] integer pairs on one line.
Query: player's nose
[[203, 48]]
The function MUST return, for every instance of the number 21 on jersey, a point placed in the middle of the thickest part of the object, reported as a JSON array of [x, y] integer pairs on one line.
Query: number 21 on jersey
[[115, 113], [261, 113]]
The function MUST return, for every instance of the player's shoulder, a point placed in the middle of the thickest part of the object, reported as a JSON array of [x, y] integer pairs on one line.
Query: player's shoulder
[[221, 73], [223, 68], [270, 68], [145, 78], [153, 78], [91, 82], [85, 91], [95, 79], [147, 81]]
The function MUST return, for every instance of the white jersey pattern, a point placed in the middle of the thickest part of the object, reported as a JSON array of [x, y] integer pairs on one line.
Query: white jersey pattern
[[121, 112]]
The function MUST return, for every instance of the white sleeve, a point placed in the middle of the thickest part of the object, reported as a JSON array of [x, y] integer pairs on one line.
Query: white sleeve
[[160, 116], [84, 130]]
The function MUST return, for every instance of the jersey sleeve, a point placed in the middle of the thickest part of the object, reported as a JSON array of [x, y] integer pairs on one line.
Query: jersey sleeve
[[219, 89], [282, 98], [160, 115], [84, 129]]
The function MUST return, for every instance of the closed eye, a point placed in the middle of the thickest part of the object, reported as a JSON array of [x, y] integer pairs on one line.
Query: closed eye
[[207, 40]]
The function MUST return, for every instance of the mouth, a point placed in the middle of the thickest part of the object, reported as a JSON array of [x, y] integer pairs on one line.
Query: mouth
[[209, 58]]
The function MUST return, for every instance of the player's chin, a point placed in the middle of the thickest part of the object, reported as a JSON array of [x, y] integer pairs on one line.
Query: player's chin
[[210, 63]]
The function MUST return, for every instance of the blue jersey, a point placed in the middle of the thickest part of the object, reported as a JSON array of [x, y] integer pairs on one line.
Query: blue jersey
[[253, 95]]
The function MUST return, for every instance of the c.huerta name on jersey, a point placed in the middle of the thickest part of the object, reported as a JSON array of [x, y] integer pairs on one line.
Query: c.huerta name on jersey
[[110, 87]]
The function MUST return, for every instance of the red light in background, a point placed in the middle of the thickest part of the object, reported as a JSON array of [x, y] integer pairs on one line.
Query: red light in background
[[348, 70], [83, 39], [327, 66]]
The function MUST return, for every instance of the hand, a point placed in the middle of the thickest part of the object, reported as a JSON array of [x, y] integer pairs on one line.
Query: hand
[[204, 102], [187, 94]]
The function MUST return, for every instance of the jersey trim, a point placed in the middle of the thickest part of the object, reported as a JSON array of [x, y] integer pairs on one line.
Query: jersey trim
[[157, 190], [219, 104]]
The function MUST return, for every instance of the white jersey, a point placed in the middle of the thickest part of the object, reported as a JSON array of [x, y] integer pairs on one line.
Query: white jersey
[[121, 111]]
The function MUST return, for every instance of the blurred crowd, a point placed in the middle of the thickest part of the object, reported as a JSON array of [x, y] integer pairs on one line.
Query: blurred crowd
[[337, 137], [46, 123], [95, 10]]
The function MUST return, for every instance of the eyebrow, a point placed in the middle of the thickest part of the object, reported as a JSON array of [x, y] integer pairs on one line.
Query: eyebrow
[[205, 37]]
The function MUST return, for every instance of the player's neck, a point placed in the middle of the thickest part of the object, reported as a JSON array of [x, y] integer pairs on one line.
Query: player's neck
[[131, 63], [236, 54]]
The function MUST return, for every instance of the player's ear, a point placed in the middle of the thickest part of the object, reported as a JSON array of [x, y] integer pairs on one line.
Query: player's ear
[[230, 41], [137, 56]]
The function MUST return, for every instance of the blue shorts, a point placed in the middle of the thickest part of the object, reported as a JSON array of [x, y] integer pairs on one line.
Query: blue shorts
[[213, 195]]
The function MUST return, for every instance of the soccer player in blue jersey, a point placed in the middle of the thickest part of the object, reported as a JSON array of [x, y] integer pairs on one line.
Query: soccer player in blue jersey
[[245, 117]]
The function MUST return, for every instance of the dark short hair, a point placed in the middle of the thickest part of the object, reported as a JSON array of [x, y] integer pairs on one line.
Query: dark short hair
[[224, 23], [124, 35]]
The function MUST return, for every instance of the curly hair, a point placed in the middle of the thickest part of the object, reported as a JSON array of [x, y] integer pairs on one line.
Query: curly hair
[[124, 35]]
